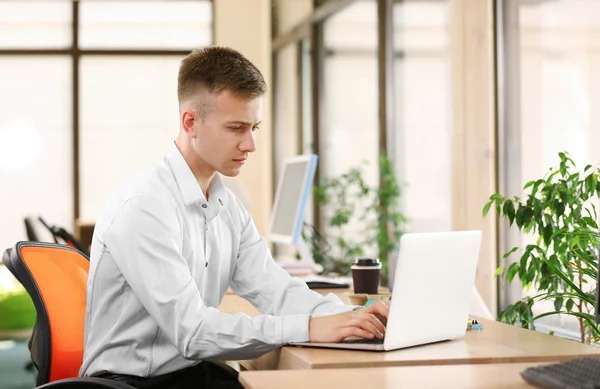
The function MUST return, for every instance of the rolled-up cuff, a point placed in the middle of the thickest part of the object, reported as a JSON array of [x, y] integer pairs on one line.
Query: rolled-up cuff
[[294, 328], [344, 308]]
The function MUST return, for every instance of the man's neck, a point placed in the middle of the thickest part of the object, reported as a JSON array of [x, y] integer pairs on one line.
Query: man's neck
[[202, 171]]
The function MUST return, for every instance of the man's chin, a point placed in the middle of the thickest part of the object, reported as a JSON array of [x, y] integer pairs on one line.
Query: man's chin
[[230, 172]]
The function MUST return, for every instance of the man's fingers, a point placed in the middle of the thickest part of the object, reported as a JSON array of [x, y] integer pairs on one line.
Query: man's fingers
[[382, 320], [368, 323], [375, 322], [366, 326], [358, 332], [378, 308]]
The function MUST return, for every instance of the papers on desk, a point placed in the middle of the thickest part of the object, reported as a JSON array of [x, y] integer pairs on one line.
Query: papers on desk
[[321, 282]]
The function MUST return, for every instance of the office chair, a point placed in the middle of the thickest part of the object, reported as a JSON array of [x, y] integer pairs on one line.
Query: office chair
[[55, 277], [60, 234]]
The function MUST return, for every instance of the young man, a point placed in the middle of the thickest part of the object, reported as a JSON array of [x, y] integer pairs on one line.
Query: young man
[[173, 239]]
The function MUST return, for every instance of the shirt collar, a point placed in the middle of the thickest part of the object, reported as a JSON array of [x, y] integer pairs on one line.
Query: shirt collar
[[191, 192]]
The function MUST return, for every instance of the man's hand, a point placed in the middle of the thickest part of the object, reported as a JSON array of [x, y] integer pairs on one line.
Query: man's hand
[[363, 323]]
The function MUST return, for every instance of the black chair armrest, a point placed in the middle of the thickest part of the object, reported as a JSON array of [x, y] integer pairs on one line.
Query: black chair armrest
[[85, 383]]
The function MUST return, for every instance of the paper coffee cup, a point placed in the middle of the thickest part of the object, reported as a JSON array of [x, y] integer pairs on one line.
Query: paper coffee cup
[[366, 274]]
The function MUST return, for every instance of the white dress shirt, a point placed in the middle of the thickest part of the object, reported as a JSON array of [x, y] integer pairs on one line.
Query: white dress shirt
[[162, 258]]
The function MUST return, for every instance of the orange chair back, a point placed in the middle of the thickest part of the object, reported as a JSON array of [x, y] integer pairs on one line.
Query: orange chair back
[[55, 277]]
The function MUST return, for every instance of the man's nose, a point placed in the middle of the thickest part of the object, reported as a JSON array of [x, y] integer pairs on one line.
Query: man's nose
[[248, 145]]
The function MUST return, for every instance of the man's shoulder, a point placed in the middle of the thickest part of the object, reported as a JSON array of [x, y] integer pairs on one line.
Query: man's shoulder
[[151, 184]]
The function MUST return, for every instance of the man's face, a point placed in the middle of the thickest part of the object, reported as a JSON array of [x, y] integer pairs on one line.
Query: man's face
[[225, 138]]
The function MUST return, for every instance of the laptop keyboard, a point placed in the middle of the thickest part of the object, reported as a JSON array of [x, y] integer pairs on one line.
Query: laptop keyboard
[[363, 341]]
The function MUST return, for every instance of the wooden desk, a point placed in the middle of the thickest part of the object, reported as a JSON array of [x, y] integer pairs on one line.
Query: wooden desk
[[423, 377], [496, 343]]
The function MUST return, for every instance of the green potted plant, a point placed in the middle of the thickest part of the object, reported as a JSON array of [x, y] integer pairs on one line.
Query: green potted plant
[[562, 265], [346, 200]]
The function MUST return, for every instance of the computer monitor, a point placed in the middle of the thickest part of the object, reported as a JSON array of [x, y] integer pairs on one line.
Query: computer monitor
[[293, 192]]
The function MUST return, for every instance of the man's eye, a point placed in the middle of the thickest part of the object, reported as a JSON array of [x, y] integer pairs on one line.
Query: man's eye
[[255, 128], [236, 128]]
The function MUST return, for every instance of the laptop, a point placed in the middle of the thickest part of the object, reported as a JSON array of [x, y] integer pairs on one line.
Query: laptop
[[433, 288]]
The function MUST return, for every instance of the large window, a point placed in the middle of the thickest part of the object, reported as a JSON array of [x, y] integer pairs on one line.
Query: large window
[[348, 94], [422, 112], [551, 101], [35, 143], [88, 96], [410, 79]]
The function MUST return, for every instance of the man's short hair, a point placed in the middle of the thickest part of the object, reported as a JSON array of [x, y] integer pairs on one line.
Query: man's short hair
[[215, 69]]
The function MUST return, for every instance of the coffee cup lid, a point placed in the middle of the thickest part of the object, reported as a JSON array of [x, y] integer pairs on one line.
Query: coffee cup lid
[[366, 262]]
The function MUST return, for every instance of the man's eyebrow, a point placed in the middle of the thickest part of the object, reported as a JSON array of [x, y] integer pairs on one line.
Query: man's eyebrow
[[242, 122]]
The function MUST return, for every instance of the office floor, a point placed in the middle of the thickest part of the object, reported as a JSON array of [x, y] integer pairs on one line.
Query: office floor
[[13, 358]]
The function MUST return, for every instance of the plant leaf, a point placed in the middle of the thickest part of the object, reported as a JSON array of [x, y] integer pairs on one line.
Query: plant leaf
[[547, 233], [513, 269], [487, 207], [558, 303], [569, 305], [509, 211], [510, 252]]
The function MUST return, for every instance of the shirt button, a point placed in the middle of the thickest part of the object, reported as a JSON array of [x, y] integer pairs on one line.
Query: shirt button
[[204, 206]]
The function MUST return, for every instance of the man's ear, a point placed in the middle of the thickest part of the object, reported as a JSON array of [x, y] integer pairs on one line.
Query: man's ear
[[188, 119]]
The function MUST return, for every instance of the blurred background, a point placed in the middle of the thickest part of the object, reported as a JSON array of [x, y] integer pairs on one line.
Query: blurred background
[[465, 98]]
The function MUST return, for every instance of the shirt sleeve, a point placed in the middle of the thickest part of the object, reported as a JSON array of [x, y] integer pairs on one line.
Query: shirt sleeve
[[273, 291], [145, 242]]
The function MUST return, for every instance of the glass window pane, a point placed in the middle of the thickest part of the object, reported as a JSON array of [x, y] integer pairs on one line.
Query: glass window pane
[[129, 114], [350, 133], [423, 136], [145, 24], [35, 144], [354, 27], [35, 24], [285, 134], [349, 136]]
